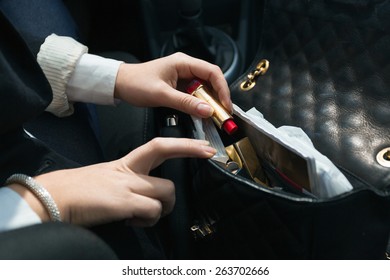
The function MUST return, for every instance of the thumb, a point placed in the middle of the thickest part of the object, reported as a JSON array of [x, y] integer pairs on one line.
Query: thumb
[[156, 151]]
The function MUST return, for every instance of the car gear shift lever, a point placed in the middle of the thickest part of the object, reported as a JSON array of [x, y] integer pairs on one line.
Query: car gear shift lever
[[198, 40]]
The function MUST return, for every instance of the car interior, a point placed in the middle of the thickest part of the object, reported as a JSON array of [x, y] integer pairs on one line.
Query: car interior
[[226, 33], [217, 31]]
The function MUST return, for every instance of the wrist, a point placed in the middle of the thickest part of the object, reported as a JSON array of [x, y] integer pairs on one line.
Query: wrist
[[32, 201], [120, 77], [127, 83], [39, 199]]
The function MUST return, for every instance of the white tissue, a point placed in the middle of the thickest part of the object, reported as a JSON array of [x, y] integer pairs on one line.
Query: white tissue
[[326, 180]]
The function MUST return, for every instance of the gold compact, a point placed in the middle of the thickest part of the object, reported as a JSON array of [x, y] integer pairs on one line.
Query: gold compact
[[244, 155]]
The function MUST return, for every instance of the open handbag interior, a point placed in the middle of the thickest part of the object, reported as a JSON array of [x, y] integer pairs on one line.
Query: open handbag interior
[[259, 198], [329, 75], [281, 159]]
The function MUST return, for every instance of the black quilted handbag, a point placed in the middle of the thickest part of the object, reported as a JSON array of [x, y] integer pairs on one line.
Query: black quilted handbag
[[329, 74]]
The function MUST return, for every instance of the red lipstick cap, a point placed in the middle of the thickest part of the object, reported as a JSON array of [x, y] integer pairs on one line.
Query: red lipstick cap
[[230, 126], [193, 86]]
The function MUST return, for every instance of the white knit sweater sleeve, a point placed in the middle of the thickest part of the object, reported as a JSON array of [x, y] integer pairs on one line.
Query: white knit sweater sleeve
[[58, 57]]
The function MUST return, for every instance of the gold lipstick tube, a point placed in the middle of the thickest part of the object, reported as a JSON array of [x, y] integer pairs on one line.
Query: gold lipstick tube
[[220, 116]]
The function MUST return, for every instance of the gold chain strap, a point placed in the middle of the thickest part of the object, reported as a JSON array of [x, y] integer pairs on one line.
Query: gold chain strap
[[250, 82]]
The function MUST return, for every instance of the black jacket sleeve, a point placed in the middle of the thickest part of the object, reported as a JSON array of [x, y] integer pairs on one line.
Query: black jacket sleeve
[[24, 90]]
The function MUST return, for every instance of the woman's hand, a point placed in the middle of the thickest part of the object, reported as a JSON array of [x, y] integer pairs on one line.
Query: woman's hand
[[117, 190], [155, 83]]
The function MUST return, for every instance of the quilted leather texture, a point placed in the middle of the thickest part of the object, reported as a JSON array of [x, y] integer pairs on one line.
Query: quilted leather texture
[[249, 222], [330, 75]]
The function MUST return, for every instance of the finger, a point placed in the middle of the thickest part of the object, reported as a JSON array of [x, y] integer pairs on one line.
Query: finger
[[189, 67], [144, 211], [187, 103], [160, 189], [156, 151]]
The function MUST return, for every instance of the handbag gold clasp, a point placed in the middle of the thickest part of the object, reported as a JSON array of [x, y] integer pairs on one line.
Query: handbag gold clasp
[[203, 229], [250, 82]]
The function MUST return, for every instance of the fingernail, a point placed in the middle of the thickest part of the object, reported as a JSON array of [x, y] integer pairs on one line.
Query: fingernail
[[209, 150], [204, 109], [230, 106]]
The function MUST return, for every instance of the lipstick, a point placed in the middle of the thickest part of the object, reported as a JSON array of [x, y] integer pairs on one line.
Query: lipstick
[[220, 116]]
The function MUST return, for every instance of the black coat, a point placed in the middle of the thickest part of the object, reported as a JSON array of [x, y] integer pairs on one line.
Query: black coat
[[24, 90], [24, 94]]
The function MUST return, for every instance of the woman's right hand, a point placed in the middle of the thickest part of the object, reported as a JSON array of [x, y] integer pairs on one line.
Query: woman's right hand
[[117, 190]]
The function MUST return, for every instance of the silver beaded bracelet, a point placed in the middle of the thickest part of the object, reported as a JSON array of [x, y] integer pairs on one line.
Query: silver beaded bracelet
[[40, 192]]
